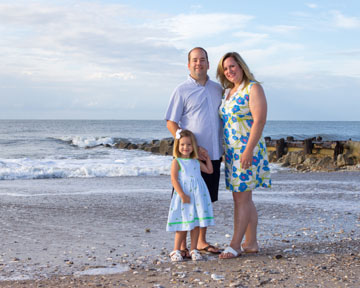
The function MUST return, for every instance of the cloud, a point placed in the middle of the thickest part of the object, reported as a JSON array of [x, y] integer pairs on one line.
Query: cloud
[[118, 75], [311, 5], [49, 42], [201, 26], [342, 21], [79, 57], [281, 29]]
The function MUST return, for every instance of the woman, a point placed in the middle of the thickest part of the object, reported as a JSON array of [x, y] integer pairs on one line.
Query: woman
[[243, 112]]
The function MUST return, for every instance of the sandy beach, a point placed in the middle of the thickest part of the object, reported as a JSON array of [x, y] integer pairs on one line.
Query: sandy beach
[[312, 265], [71, 230]]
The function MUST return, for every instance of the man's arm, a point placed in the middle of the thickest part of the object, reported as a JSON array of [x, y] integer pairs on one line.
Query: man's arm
[[172, 127]]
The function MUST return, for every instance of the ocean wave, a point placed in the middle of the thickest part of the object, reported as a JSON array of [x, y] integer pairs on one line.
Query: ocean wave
[[88, 141], [149, 165], [116, 163]]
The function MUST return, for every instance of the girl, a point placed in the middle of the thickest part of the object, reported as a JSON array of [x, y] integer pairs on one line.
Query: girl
[[190, 205]]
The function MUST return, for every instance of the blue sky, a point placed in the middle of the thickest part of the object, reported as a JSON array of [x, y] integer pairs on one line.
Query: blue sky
[[122, 59]]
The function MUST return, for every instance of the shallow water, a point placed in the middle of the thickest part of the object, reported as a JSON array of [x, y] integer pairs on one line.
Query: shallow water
[[66, 226]]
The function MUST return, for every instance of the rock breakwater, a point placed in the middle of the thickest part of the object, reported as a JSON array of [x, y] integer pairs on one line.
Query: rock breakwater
[[303, 155]]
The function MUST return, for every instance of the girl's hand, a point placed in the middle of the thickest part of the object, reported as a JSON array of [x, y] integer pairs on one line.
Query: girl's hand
[[185, 199], [246, 160]]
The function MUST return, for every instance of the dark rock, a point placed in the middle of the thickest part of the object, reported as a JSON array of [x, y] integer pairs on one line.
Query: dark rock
[[123, 144], [310, 160], [154, 149], [325, 163], [272, 156], [166, 146], [155, 142], [132, 146]]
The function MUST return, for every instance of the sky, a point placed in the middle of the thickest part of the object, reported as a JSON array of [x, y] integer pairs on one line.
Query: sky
[[123, 59]]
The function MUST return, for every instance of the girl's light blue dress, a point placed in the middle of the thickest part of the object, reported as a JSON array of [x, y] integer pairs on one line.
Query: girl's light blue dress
[[199, 212]]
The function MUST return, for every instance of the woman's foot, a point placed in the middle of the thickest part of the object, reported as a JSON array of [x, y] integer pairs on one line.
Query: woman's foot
[[250, 248], [229, 253], [209, 249]]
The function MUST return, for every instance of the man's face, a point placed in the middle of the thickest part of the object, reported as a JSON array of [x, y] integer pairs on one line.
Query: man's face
[[198, 64]]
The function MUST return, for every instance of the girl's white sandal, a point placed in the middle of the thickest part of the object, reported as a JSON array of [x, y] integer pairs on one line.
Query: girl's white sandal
[[175, 256], [195, 255]]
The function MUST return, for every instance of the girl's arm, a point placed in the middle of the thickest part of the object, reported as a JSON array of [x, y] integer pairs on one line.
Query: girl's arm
[[206, 167], [175, 182], [258, 108]]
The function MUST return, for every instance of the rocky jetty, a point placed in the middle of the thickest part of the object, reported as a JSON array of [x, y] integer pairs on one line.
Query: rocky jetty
[[303, 155], [163, 146], [314, 154]]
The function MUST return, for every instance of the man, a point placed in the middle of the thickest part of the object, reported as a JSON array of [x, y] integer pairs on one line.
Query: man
[[194, 106]]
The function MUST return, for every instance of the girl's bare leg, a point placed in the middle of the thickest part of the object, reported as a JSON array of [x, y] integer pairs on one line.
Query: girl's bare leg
[[194, 234], [179, 238]]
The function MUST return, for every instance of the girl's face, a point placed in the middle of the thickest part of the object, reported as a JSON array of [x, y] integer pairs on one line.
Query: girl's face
[[233, 71], [185, 147]]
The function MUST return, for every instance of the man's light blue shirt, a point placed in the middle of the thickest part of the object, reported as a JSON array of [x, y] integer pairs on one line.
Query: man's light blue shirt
[[196, 108]]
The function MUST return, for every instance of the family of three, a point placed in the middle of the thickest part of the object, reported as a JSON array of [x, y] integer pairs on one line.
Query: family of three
[[207, 118]]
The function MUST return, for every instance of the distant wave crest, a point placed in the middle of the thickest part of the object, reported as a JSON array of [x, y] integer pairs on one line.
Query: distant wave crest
[[150, 165], [88, 142]]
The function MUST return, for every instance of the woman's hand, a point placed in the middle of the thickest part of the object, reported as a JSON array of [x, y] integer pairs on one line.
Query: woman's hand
[[185, 199], [246, 160]]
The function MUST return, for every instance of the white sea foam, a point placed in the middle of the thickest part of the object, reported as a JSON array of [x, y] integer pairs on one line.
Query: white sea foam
[[103, 271], [107, 163], [131, 163], [88, 142]]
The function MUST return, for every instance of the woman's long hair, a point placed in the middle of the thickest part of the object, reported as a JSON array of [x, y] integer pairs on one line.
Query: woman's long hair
[[248, 76]]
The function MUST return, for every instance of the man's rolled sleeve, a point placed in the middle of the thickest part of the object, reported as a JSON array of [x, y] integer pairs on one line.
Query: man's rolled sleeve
[[175, 108]]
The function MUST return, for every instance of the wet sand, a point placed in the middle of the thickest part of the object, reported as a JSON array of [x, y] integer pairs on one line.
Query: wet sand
[[55, 231]]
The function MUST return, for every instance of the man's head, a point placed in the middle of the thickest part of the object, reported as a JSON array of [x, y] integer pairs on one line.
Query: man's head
[[198, 63]]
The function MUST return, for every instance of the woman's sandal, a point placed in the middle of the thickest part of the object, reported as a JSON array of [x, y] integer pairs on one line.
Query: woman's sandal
[[229, 250], [175, 256], [195, 255], [210, 249], [249, 251]]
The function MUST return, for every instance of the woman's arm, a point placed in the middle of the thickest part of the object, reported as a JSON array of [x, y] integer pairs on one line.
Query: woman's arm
[[175, 182], [258, 108]]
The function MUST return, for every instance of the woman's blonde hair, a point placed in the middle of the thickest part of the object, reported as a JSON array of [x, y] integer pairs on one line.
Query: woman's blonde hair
[[248, 76], [186, 133]]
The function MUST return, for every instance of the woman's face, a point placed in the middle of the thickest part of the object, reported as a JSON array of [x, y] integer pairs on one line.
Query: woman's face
[[233, 71]]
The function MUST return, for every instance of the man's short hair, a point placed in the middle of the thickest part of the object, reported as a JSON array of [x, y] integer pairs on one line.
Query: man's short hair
[[206, 55]]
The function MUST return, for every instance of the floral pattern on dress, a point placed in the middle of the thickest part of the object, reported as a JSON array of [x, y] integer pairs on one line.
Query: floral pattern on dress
[[237, 122]]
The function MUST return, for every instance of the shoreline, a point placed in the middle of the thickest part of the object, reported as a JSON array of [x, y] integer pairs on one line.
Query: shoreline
[[321, 264]]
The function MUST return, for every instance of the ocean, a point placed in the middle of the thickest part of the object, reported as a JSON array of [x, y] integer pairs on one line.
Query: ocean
[[69, 205], [45, 149]]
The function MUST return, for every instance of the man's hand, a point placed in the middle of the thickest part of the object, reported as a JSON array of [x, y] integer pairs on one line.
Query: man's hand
[[203, 153]]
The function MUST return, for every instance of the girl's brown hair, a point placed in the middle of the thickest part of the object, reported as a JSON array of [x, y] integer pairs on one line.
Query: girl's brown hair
[[186, 133]]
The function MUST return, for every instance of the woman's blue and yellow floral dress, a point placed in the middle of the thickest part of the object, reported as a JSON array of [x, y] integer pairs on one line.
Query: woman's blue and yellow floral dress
[[237, 121]]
